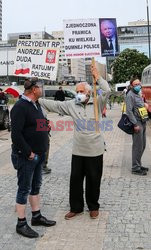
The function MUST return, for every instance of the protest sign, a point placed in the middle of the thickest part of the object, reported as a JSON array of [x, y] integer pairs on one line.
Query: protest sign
[[37, 58], [82, 38], [109, 38]]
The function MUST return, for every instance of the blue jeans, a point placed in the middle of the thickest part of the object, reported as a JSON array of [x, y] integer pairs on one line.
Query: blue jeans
[[29, 174]]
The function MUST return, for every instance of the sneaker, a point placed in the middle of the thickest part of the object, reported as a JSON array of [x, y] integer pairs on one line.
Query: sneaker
[[26, 231], [42, 221], [144, 168], [139, 172], [71, 215], [94, 214]]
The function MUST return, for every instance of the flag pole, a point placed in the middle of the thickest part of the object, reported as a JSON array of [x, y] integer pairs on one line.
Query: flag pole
[[95, 102]]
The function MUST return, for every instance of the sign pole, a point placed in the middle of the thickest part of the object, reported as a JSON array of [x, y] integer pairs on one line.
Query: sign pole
[[95, 98]]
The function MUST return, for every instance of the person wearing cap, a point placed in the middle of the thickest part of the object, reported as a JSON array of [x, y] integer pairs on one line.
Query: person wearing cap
[[136, 110], [88, 146], [29, 144]]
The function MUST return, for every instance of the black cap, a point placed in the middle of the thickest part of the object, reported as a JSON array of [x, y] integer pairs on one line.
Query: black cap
[[29, 83]]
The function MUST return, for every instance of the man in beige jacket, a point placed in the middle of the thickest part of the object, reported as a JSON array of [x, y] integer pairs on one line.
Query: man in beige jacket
[[88, 147]]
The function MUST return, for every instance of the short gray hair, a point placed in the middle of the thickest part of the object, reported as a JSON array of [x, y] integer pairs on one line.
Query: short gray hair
[[86, 86]]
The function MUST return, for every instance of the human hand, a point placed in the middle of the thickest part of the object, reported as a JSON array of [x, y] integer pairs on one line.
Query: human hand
[[31, 157], [95, 73], [146, 105], [136, 129]]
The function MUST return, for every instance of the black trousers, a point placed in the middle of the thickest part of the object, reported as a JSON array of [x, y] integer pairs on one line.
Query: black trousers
[[91, 168]]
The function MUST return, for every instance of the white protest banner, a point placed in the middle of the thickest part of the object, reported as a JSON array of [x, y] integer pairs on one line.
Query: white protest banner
[[37, 58], [82, 38], [7, 61]]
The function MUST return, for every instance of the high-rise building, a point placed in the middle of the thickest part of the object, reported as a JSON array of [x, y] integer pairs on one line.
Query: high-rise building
[[134, 36], [0, 19], [76, 67]]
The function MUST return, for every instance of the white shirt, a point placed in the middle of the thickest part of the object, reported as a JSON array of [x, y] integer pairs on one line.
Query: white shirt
[[113, 42]]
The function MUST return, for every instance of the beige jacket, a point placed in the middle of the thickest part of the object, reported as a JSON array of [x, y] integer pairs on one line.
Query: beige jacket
[[86, 142]]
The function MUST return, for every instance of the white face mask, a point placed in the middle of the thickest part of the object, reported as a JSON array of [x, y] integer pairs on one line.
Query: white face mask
[[81, 97]]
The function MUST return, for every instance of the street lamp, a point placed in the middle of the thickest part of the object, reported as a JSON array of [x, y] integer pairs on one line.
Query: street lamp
[[7, 63], [147, 5]]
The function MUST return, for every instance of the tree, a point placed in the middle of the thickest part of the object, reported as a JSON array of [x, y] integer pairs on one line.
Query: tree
[[129, 63]]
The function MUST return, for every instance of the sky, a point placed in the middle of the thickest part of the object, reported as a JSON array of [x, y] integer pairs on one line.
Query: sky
[[36, 15]]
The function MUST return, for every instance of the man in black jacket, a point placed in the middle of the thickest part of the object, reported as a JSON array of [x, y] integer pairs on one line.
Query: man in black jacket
[[29, 144], [60, 95]]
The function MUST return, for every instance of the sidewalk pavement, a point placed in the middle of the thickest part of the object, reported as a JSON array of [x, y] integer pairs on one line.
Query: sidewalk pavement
[[125, 199]]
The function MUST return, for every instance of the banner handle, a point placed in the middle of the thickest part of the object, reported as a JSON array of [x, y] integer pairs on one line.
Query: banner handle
[[95, 102]]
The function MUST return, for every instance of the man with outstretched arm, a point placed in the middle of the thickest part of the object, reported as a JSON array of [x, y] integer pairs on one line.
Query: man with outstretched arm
[[88, 147]]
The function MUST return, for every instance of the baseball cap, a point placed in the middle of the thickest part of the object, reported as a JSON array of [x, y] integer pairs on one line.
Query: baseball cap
[[29, 83]]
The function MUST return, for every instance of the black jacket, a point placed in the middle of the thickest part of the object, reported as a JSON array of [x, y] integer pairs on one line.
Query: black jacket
[[105, 50], [60, 95], [29, 134]]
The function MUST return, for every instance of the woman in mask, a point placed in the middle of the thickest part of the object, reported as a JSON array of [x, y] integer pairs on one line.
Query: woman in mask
[[137, 113], [88, 147]]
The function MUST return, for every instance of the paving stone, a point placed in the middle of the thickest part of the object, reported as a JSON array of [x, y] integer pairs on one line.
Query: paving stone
[[125, 199]]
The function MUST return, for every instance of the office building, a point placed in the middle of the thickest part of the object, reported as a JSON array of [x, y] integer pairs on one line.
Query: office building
[[13, 37], [75, 67], [134, 36]]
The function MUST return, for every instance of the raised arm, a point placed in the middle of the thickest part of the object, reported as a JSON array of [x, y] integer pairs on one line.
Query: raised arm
[[55, 106], [104, 86]]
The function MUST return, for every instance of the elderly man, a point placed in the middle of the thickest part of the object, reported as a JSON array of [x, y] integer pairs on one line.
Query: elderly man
[[28, 150], [88, 147]]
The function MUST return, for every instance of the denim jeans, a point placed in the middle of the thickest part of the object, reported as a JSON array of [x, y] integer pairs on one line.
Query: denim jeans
[[29, 174]]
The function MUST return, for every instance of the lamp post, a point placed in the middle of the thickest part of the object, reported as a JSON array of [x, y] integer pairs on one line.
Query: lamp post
[[7, 62], [147, 5]]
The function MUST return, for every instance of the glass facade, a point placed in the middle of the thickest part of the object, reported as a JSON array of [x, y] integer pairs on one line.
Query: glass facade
[[136, 30], [134, 37], [143, 48]]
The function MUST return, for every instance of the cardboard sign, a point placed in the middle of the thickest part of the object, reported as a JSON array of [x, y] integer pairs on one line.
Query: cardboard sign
[[82, 38], [37, 58]]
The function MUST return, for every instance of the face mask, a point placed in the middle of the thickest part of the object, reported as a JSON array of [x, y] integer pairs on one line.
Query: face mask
[[80, 98], [137, 88]]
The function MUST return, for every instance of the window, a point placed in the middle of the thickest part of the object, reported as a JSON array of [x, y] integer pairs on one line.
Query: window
[[69, 94], [50, 93]]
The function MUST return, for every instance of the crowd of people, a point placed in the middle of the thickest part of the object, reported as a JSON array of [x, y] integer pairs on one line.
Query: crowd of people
[[30, 146]]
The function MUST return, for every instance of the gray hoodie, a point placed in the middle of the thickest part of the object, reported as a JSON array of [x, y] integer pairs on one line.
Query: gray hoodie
[[86, 142]]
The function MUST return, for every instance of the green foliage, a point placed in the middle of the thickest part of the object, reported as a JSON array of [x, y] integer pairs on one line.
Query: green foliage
[[118, 99], [129, 63], [12, 101]]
